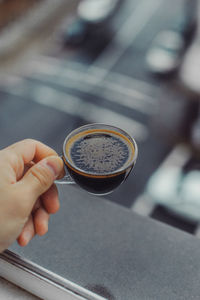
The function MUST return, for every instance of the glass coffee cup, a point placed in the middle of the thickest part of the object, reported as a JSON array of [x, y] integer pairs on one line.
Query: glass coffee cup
[[98, 157]]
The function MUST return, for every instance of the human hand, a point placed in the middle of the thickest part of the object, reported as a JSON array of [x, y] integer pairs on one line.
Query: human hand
[[27, 192]]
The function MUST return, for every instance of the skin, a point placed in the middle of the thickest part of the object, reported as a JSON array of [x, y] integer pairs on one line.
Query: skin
[[28, 194]]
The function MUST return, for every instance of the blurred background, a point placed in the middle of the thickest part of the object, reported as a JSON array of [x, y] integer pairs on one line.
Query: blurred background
[[131, 63]]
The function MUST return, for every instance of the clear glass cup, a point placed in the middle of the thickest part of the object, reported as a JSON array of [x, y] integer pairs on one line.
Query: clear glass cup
[[112, 145]]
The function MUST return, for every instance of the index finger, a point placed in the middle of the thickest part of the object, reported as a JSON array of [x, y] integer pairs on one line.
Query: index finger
[[31, 150]]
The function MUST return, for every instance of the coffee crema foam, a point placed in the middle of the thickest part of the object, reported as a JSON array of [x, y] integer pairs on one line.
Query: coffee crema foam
[[99, 151]]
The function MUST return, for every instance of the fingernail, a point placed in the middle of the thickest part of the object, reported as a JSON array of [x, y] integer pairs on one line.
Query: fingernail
[[55, 165]]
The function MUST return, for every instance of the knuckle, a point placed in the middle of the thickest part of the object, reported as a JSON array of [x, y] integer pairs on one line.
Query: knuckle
[[41, 175], [28, 141]]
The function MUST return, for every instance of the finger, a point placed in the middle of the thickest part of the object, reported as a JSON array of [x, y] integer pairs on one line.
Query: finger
[[28, 232], [25, 152], [31, 150], [39, 179], [50, 200], [41, 218]]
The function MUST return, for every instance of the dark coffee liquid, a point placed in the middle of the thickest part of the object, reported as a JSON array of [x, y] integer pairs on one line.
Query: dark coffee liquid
[[95, 155], [99, 153]]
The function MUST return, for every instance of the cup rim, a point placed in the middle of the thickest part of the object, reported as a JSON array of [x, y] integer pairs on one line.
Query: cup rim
[[92, 174]]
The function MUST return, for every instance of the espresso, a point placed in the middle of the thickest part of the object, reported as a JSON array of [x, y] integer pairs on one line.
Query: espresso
[[98, 159]]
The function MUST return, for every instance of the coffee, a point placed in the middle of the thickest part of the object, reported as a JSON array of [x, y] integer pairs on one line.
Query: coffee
[[99, 159]]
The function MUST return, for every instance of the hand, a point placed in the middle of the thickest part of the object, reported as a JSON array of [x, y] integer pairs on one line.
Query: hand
[[27, 193]]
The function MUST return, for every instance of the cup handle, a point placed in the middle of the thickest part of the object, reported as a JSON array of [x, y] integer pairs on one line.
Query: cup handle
[[67, 179]]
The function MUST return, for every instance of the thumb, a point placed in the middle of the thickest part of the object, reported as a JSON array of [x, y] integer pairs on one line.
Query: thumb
[[41, 176]]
